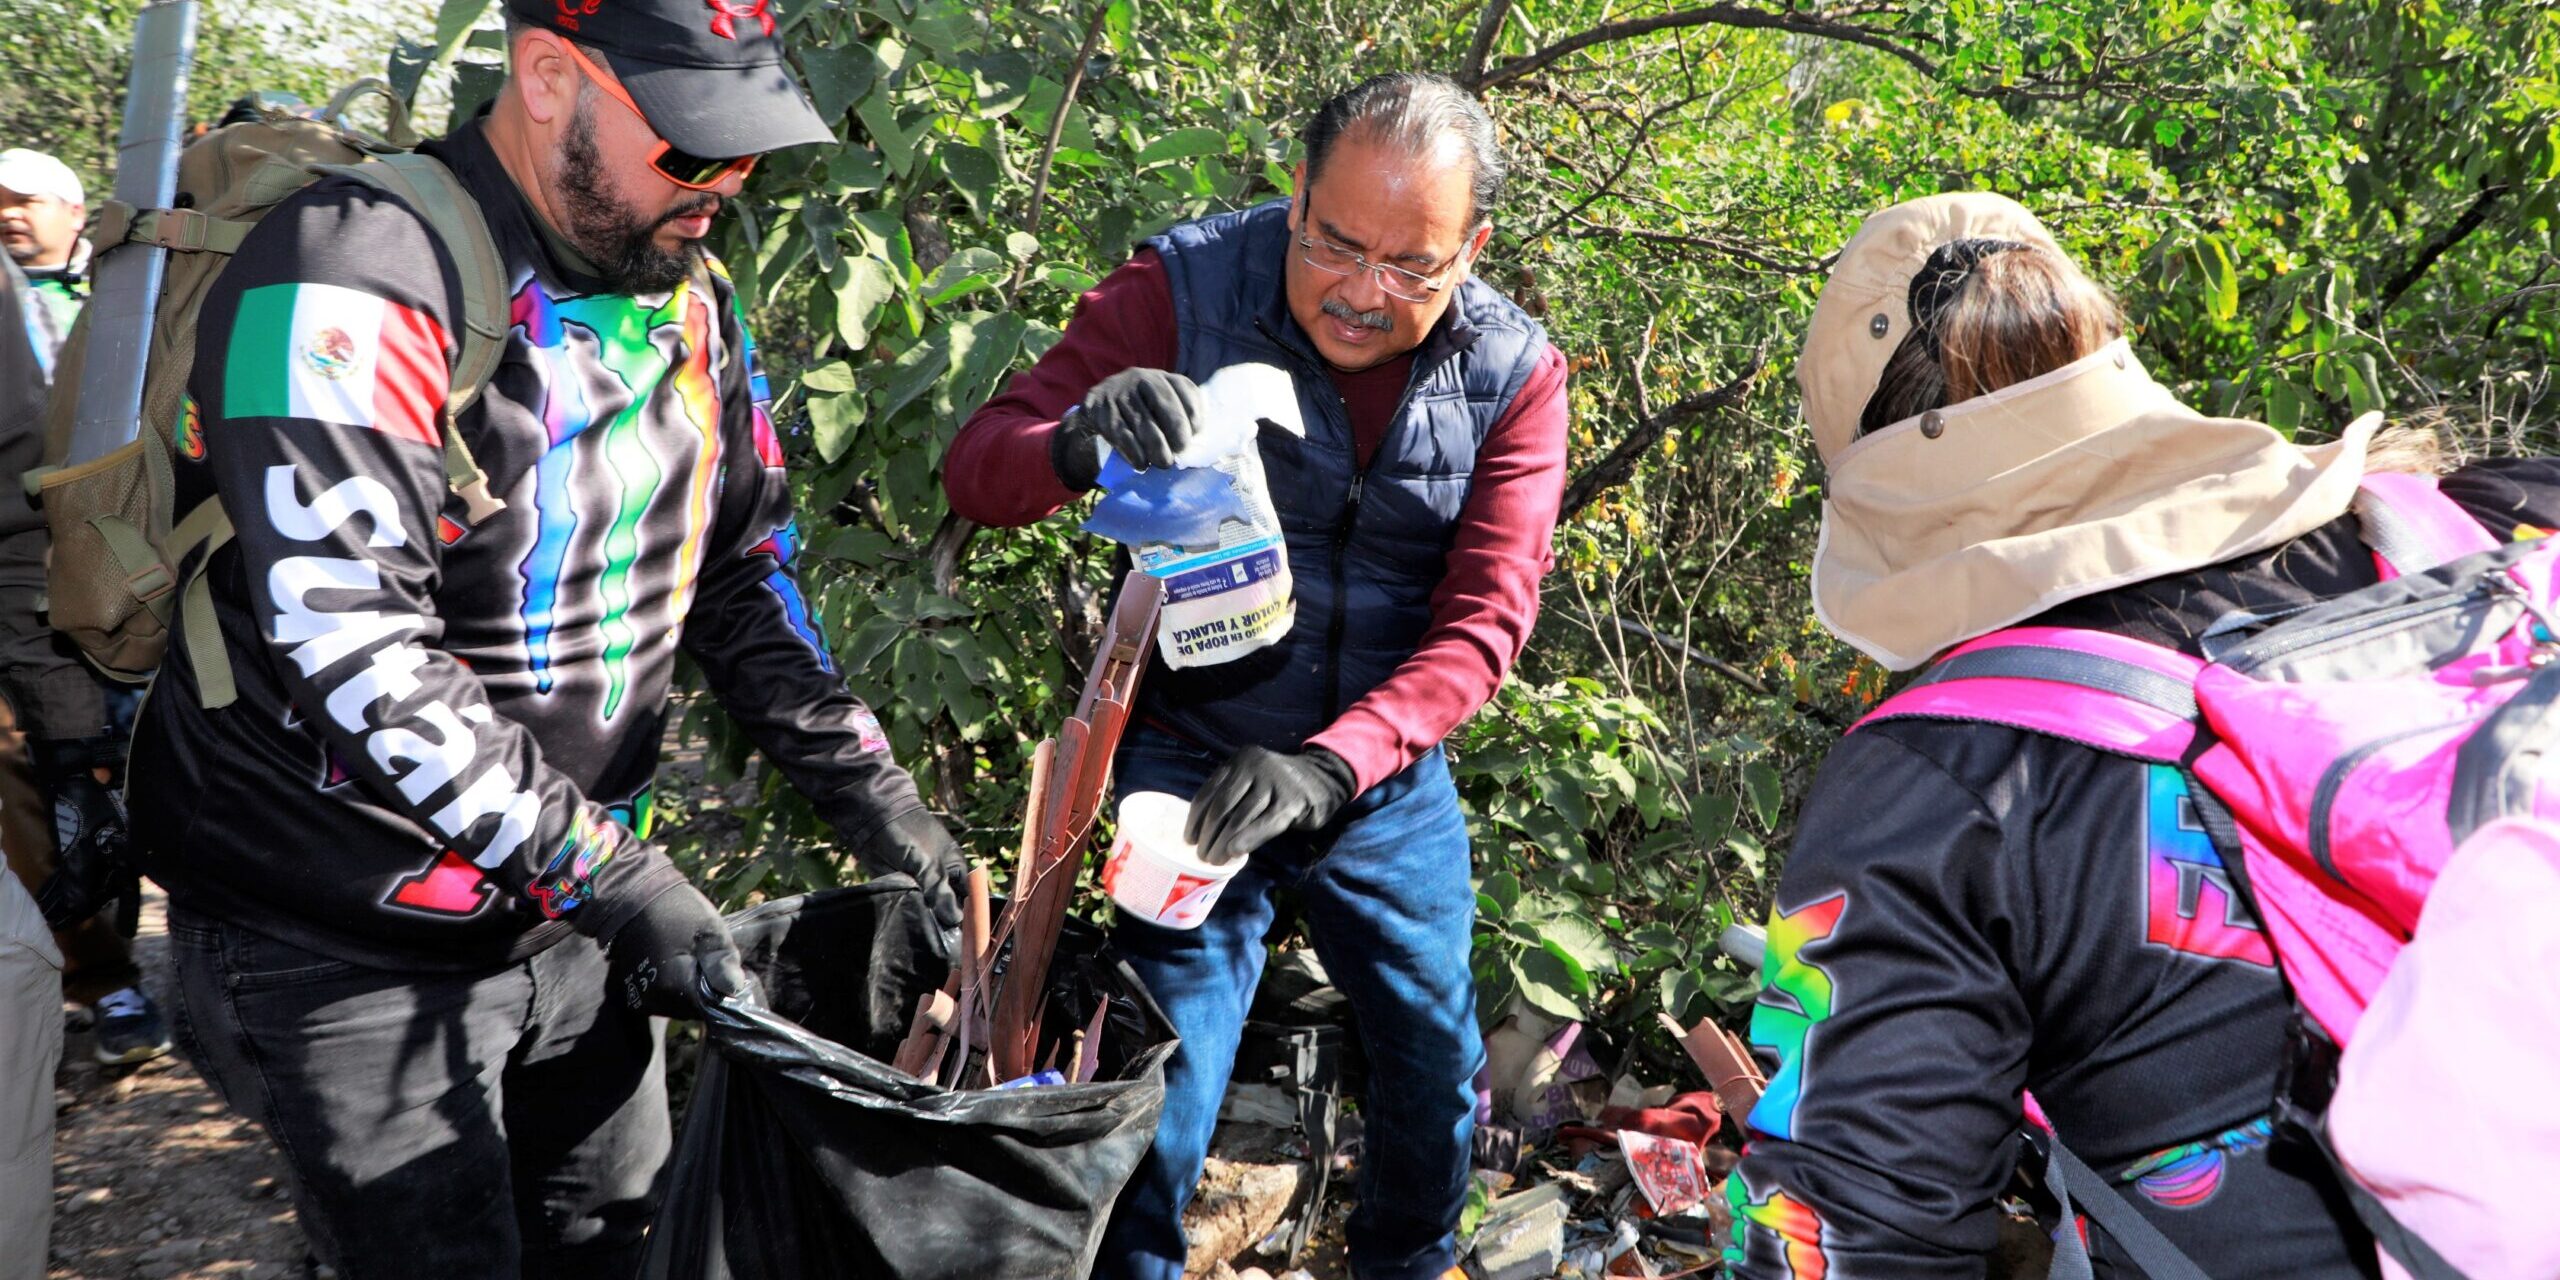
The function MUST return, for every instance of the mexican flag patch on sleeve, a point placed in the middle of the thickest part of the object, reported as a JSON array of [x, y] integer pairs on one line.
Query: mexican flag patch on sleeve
[[328, 353]]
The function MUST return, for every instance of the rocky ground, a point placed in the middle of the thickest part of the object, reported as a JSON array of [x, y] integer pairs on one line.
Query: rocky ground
[[154, 1177]]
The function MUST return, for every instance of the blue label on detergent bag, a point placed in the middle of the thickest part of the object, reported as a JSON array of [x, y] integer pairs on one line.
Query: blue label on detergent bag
[[1226, 575]]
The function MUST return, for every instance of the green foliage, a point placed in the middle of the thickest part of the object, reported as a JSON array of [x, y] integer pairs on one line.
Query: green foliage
[[2310, 208], [65, 65]]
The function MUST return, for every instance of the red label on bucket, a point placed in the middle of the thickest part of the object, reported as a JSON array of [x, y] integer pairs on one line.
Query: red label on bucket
[[1186, 904]]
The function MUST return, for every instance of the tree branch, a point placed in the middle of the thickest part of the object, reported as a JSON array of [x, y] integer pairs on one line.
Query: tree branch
[[950, 540], [1488, 30], [1613, 469], [1725, 248], [1057, 132], [1694, 657], [1635, 147], [2436, 247], [942, 554], [1713, 15]]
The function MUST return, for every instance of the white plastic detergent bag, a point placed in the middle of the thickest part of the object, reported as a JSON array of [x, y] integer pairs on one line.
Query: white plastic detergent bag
[[1227, 590]]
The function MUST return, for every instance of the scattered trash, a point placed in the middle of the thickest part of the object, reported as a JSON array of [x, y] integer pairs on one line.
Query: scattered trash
[[1522, 1237], [1670, 1172], [1036, 1079]]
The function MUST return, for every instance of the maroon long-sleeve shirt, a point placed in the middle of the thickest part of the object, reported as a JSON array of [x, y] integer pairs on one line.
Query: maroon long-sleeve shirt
[[998, 473]]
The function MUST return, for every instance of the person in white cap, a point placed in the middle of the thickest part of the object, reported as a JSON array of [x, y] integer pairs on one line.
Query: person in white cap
[[60, 734], [42, 208], [1975, 913]]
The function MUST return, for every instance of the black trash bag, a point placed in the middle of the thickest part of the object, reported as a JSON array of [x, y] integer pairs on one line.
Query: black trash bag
[[804, 1154]]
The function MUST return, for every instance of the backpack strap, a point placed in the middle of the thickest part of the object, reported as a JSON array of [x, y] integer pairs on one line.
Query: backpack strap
[[453, 217], [2105, 691], [2412, 527], [424, 184]]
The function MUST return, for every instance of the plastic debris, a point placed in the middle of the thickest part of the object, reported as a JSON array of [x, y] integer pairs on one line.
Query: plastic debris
[[1671, 1173], [1036, 1079]]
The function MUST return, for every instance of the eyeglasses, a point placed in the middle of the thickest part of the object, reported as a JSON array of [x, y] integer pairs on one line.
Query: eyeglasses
[[692, 172], [1333, 259]]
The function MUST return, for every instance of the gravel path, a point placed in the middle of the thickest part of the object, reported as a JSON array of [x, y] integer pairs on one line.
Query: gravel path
[[153, 1177]]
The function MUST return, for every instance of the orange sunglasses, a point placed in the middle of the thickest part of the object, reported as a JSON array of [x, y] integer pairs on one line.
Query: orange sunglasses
[[692, 172]]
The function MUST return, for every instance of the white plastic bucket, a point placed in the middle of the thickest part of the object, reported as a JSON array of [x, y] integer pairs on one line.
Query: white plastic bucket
[[1155, 874]]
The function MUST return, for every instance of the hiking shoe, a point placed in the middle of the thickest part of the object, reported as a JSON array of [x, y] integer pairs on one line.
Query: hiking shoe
[[130, 1028]]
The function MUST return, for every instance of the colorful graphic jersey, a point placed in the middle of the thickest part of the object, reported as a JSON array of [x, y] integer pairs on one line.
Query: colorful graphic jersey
[[1972, 912], [54, 301], [445, 732]]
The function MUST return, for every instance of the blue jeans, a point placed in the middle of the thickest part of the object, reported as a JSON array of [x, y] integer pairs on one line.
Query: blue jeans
[[1386, 895]]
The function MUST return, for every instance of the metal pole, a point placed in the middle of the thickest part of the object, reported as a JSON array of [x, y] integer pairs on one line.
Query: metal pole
[[125, 284]]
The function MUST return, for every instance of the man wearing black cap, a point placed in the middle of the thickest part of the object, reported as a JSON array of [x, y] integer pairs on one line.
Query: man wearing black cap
[[417, 928]]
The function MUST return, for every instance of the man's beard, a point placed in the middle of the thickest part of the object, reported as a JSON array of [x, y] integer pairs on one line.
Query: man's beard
[[621, 243]]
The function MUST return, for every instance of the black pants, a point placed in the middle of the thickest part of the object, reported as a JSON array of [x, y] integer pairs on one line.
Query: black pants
[[490, 1125]]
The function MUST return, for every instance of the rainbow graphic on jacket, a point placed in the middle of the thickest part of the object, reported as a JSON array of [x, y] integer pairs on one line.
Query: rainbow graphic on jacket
[[569, 879], [2183, 1177], [2193, 906], [637, 347], [783, 545], [1795, 1224], [1795, 994]]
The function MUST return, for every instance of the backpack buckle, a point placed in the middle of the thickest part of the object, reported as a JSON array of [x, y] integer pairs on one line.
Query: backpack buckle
[[151, 582], [185, 230]]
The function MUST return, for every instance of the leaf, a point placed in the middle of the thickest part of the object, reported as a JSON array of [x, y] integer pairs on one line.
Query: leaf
[[982, 347], [1581, 940], [1577, 974], [838, 76], [2226, 281], [1710, 817], [834, 377], [823, 221], [1182, 144], [1761, 780], [879, 116], [1546, 984], [864, 283], [1060, 275], [1502, 889], [1021, 245], [832, 419], [975, 175], [962, 274], [915, 372], [1003, 81]]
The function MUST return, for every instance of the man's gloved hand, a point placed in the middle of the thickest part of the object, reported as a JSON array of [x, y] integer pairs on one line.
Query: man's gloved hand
[[1145, 415], [1257, 794], [918, 845], [658, 961], [91, 865]]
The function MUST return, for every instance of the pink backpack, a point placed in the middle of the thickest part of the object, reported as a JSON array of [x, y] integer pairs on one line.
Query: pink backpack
[[2371, 771]]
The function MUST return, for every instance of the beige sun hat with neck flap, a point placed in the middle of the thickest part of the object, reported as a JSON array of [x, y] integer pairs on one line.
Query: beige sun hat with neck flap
[[1968, 518]]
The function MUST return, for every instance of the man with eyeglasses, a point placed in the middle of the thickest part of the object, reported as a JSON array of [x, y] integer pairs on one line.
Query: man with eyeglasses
[[418, 928], [1418, 508]]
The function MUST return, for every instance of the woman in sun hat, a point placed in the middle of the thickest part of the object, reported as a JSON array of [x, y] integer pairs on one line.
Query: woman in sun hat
[[1975, 914]]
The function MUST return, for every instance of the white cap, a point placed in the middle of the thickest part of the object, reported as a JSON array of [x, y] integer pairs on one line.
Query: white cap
[[33, 173]]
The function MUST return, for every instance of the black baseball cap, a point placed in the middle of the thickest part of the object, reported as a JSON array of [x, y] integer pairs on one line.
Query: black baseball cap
[[708, 74]]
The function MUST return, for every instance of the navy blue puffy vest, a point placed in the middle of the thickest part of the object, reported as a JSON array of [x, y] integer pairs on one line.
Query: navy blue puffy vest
[[1366, 549]]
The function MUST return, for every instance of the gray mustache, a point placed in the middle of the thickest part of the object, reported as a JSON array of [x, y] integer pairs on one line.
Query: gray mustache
[[1342, 311]]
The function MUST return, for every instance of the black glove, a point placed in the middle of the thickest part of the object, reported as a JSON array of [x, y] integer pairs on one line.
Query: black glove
[[917, 845], [91, 865], [1258, 794], [673, 956], [1145, 415]]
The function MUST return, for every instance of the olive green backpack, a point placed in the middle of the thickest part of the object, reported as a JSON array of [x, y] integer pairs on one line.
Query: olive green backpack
[[125, 567]]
